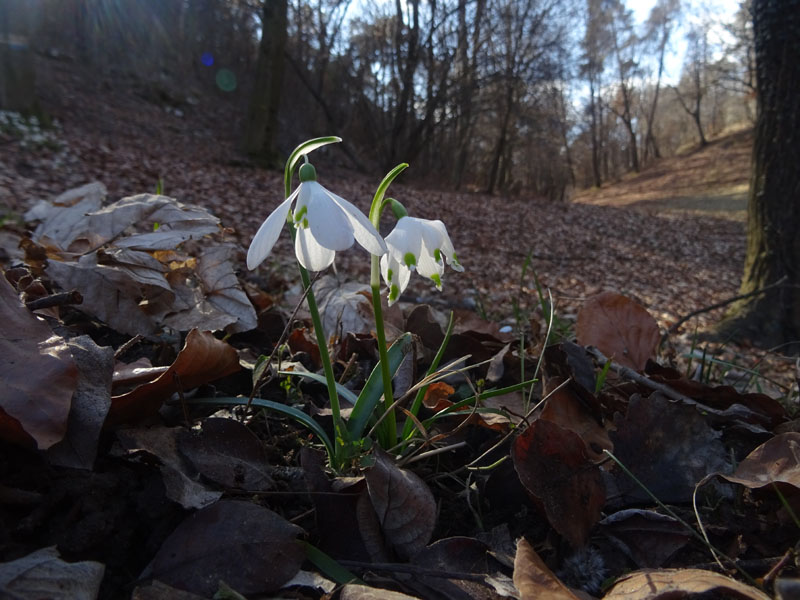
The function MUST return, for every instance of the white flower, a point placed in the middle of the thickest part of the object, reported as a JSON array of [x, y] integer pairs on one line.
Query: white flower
[[325, 223], [416, 244]]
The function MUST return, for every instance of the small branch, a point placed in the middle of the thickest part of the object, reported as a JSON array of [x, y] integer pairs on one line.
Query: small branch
[[628, 373], [412, 569], [706, 309], [62, 299]]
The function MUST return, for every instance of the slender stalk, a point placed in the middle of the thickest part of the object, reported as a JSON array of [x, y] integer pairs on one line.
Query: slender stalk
[[322, 342], [387, 432], [327, 367]]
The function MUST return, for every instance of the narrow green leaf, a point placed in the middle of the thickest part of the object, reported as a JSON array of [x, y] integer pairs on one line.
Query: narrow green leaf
[[289, 411], [343, 391], [371, 394], [377, 200], [328, 565], [300, 152]]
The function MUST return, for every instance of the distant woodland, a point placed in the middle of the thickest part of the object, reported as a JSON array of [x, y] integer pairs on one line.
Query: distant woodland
[[485, 95]]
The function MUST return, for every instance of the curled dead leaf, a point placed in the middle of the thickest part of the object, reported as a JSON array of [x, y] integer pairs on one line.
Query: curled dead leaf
[[619, 327], [679, 583], [404, 504], [203, 358]]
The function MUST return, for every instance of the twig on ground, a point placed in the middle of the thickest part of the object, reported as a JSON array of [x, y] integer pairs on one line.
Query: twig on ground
[[628, 373], [675, 326], [412, 569], [62, 299]]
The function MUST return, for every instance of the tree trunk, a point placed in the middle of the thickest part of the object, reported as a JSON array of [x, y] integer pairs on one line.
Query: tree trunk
[[262, 117], [773, 244], [17, 72]]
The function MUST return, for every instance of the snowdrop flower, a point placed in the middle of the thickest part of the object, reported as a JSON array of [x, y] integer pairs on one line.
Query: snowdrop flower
[[416, 244], [325, 223]]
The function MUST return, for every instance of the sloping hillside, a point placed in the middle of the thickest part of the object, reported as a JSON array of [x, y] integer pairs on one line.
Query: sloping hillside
[[711, 180]]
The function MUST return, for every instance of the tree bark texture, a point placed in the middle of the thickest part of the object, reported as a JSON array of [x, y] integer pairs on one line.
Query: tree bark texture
[[773, 229], [17, 72], [262, 118]]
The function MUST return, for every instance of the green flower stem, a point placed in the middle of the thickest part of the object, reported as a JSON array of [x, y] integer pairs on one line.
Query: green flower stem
[[339, 428], [387, 432], [338, 425]]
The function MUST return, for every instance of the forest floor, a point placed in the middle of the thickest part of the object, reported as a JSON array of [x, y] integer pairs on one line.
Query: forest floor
[[670, 239]]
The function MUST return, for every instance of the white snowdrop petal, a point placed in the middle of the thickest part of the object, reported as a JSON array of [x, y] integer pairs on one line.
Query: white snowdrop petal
[[268, 233], [363, 230], [427, 266], [447, 246], [328, 222], [309, 253]]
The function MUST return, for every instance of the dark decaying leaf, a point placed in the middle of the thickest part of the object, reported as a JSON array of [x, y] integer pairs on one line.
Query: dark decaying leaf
[[203, 358], [668, 446], [775, 461], [673, 584], [753, 407], [533, 579], [156, 590], [90, 405], [619, 327], [347, 526], [422, 323], [250, 548], [42, 574], [457, 555], [227, 453], [404, 504], [33, 410], [181, 484], [648, 538], [565, 408], [557, 471]]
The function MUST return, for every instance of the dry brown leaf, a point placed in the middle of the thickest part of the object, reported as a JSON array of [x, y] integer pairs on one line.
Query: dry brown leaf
[[671, 584], [404, 504], [203, 358], [162, 442], [32, 409], [533, 579], [775, 461], [619, 327], [556, 470], [565, 408]]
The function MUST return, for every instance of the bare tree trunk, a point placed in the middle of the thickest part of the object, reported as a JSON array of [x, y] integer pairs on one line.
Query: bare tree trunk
[[17, 71], [773, 244], [262, 118]]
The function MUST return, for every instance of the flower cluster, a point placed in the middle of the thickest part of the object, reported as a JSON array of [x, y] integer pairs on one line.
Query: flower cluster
[[326, 223]]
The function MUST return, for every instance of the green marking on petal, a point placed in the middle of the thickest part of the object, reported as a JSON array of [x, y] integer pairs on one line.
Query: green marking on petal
[[390, 274], [409, 259], [437, 255], [394, 292], [299, 214], [305, 223], [437, 280]]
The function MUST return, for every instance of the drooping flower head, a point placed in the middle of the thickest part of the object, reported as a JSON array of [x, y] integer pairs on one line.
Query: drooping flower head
[[416, 244], [324, 223]]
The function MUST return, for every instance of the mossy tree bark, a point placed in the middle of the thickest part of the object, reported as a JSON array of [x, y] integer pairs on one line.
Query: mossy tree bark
[[773, 228], [262, 118]]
